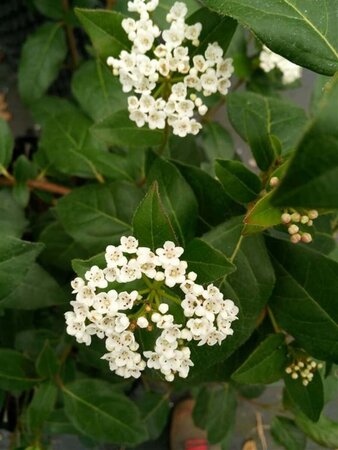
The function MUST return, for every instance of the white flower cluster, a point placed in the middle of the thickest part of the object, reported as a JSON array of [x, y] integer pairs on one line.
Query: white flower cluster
[[269, 60], [166, 82], [303, 369], [296, 222], [114, 314]]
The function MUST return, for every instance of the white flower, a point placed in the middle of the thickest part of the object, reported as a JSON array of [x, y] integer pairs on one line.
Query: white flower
[[169, 254], [269, 60], [142, 322], [175, 274], [126, 300], [77, 284], [130, 272], [95, 277], [114, 256], [86, 295], [129, 244]]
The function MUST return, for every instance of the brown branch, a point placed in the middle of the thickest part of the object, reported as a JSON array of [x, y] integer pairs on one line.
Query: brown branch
[[41, 185], [71, 38]]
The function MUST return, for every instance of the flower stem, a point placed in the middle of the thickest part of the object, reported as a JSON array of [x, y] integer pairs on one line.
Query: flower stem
[[166, 135], [170, 297]]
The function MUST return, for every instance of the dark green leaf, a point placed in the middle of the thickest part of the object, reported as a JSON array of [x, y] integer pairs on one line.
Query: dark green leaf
[[12, 217], [215, 411], [47, 363], [16, 259], [266, 364], [60, 248], [256, 118], [215, 29], [305, 33], [217, 142], [178, 199], [304, 299], [105, 31], [106, 416], [151, 225], [287, 434], [97, 215], [13, 375], [49, 8], [155, 410], [48, 107], [41, 59], [36, 290], [58, 423], [214, 204], [98, 92], [80, 266], [209, 264], [311, 180], [239, 183], [24, 169], [6, 145], [117, 129], [41, 406], [310, 398]]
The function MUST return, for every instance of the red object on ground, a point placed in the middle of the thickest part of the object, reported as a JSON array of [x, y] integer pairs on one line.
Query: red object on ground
[[196, 444]]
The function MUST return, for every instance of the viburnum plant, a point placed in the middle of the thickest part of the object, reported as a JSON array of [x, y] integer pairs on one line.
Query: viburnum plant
[[144, 256]]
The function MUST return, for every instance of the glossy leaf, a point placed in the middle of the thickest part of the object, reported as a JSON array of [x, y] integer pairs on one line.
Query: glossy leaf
[[12, 216], [105, 31], [6, 145], [16, 259], [256, 118], [304, 33], [287, 434], [178, 199], [310, 398], [208, 262], [105, 416], [311, 180], [304, 299], [97, 215], [217, 142], [214, 204], [96, 89], [13, 373], [41, 59], [266, 364], [151, 224], [155, 410], [47, 363], [215, 411], [41, 406], [324, 431], [262, 215], [117, 129], [239, 183]]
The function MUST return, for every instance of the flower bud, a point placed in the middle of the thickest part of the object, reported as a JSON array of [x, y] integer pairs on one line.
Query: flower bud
[[274, 181], [295, 217], [163, 308], [142, 322], [304, 219], [293, 229], [295, 238], [306, 238], [286, 218], [313, 214]]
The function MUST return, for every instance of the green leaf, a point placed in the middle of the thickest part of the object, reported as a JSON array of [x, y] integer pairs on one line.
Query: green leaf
[[60, 248], [250, 287], [36, 290], [304, 33], [214, 205], [304, 299], [105, 31], [239, 183], [209, 264], [13, 374], [310, 398], [12, 216], [177, 197], [151, 225], [287, 434], [324, 431], [154, 410], [80, 266], [48, 107], [256, 118], [266, 364], [41, 59], [98, 215], [101, 414], [98, 92], [311, 180], [262, 215], [16, 259], [72, 150], [58, 423], [214, 29], [41, 406], [117, 129], [6, 145], [215, 411], [47, 363], [217, 142], [24, 169], [49, 8]]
